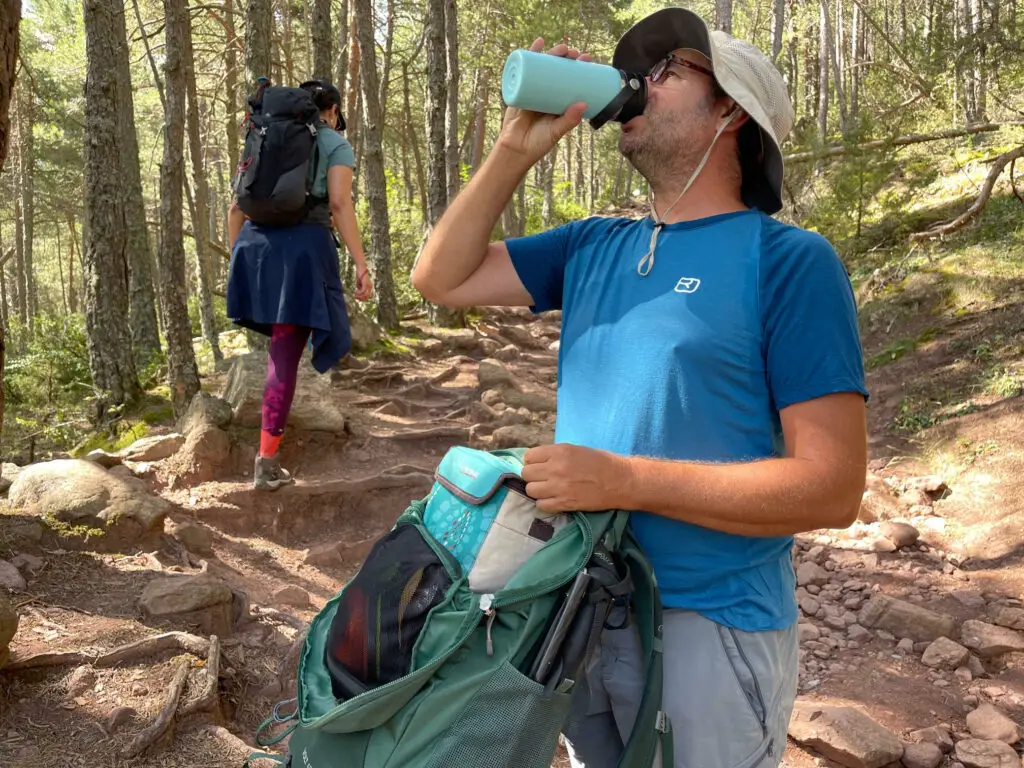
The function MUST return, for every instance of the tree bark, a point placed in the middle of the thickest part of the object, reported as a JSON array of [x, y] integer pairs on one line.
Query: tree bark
[[183, 375], [436, 108], [258, 20], [201, 209], [376, 183], [410, 127], [231, 86], [778, 28], [824, 43], [142, 297], [480, 128], [723, 15], [106, 285], [26, 184], [385, 80], [452, 110], [323, 39], [831, 32], [342, 71], [73, 254], [10, 43], [547, 211], [20, 291]]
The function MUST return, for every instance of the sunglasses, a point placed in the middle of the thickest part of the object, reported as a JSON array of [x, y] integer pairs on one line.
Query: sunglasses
[[658, 70]]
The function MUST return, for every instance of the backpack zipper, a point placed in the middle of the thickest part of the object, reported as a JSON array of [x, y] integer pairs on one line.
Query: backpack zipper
[[487, 606]]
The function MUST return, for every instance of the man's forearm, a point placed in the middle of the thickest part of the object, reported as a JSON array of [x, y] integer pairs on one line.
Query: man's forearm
[[773, 497], [458, 244]]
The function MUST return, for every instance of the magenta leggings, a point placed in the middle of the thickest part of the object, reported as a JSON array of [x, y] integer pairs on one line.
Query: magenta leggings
[[286, 345]]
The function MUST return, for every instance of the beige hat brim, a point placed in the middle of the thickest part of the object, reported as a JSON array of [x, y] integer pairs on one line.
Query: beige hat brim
[[653, 37]]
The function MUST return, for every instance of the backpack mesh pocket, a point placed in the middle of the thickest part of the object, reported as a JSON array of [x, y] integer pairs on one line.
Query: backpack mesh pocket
[[382, 611]]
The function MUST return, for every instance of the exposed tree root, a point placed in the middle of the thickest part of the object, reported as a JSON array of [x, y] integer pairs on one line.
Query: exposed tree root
[[456, 432], [148, 646], [208, 696], [48, 660], [149, 735], [281, 617]]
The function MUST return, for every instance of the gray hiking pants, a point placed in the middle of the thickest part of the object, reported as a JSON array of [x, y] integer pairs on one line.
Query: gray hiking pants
[[729, 695]]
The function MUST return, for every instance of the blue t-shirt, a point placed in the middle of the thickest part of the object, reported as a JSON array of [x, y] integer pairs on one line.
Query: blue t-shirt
[[740, 317]]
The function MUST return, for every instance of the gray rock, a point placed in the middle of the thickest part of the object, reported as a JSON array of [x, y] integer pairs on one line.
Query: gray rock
[[990, 723], [936, 735], [943, 653], [493, 374], [314, 408], [507, 353], [978, 753], [923, 755], [293, 596], [104, 459], [963, 674], [905, 619], [808, 604], [1012, 618], [11, 578], [906, 645], [323, 555], [968, 599], [883, 545], [816, 554], [844, 734], [81, 493], [857, 633], [82, 679], [811, 573], [203, 601], [900, 534], [807, 632], [977, 668], [205, 409], [8, 626], [27, 562], [492, 348], [195, 537], [206, 455], [525, 435], [988, 640], [156, 448], [119, 716]]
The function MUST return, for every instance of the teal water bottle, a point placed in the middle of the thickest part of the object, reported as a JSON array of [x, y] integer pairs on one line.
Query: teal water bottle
[[540, 82]]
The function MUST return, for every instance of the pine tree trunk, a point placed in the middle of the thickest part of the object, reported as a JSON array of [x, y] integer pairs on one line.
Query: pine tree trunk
[[385, 80], [20, 291], [778, 28], [183, 375], [26, 173], [410, 127], [231, 86], [10, 22], [258, 22], [351, 115], [824, 42], [323, 38], [436, 107], [72, 257], [106, 248], [452, 110], [980, 64], [723, 15], [342, 71], [855, 46], [547, 211], [579, 184], [480, 120], [830, 34], [287, 37], [376, 183], [142, 297], [201, 211]]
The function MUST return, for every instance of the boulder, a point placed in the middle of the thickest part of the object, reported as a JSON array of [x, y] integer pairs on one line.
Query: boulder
[[155, 448], [936, 735], [990, 723], [193, 536], [494, 375], [522, 337], [8, 472], [844, 734], [205, 409], [292, 595], [314, 408], [202, 601], [104, 459], [1012, 618], [988, 640], [205, 456], [905, 619], [900, 534], [978, 753], [943, 653], [522, 435], [80, 493], [11, 578], [811, 573], [922, 755], [8, 626]]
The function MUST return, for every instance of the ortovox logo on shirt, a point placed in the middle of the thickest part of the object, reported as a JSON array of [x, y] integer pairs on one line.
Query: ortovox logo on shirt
[[688, 285]]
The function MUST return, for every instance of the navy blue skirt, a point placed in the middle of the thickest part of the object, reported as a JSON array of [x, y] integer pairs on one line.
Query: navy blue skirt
[[290, 275]]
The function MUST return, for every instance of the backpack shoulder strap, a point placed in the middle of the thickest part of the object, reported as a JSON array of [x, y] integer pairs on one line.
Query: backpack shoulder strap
[[652, 732]]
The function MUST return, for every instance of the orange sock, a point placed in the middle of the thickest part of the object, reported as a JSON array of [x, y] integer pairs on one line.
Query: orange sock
[[268, 443]]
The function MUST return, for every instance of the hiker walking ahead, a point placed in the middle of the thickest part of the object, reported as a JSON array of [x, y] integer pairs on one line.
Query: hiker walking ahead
[[721, 349], [284, 282]]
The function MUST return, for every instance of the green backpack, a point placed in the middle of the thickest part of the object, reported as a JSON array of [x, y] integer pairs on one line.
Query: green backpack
[[437, 675]]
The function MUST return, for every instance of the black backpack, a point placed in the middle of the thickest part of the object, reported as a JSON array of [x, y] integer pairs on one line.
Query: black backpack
[[273, 182]]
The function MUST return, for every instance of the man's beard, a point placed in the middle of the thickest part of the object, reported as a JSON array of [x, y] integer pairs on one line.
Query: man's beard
[[668, 147]]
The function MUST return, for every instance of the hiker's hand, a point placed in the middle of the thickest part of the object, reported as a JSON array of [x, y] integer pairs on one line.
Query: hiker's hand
[[564, 478], [364, 285], [529, 136]]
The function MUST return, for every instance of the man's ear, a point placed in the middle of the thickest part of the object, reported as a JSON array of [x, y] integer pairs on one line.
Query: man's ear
[[735, 118]]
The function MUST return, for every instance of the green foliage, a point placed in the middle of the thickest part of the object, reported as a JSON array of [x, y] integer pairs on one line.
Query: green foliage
[[54, 367]]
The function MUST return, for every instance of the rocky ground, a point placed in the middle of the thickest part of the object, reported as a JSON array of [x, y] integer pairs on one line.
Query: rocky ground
[[154, 604]]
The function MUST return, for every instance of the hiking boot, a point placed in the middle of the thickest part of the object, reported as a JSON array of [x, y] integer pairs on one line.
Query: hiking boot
[[268, 474]]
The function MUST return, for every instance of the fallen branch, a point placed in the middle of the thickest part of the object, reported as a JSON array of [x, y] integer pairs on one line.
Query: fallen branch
[[148, 646], [976, 207], [149, 735], [456, 432], [208, 697], [896, 141], [49, 660]]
